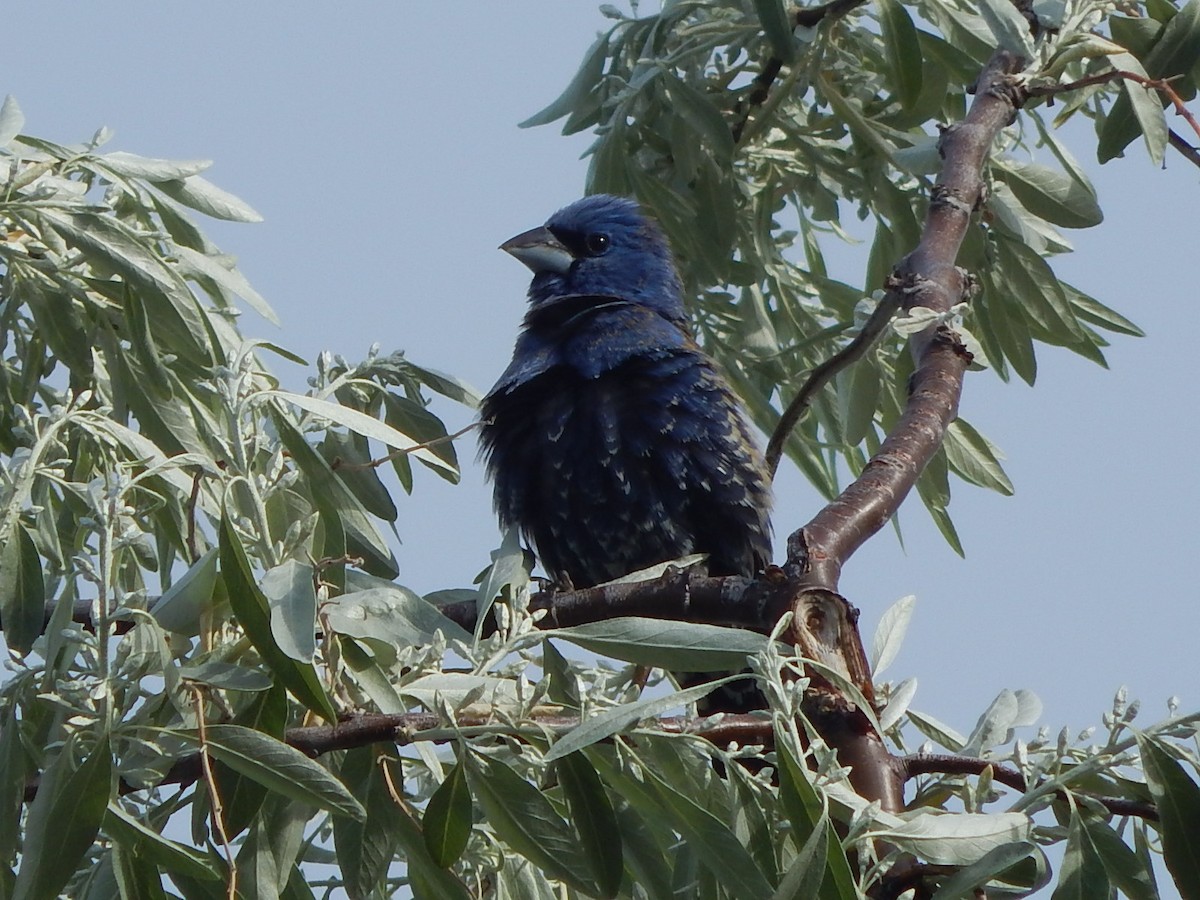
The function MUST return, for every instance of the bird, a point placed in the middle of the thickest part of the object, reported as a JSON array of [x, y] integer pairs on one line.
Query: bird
[[612, 440]]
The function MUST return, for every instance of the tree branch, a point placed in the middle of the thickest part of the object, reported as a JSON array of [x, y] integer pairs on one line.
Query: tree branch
[[745, 729], [931, 279], [760, 88], [825, 372], [949, 764]]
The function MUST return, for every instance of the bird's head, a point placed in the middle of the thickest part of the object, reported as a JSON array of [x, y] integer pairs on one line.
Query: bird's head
[[604, 246]]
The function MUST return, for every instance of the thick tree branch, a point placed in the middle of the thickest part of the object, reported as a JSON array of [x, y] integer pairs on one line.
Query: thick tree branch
[[930, 279]]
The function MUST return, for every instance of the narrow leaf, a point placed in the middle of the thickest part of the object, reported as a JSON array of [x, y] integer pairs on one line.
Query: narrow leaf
[[279, 768], [594, 819], [22, 591], [12, 120], [447, 820], [685, 646], [1178, 800], [250, 608], [63, 820], [209, 199]]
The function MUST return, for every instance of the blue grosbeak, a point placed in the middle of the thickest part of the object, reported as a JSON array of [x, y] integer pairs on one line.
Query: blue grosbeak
[[612, 440]]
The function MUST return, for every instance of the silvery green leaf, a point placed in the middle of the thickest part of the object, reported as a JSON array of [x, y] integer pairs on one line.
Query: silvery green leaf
[[902, 695], [656, 571], [292, 598], [180, 607], [392, 614], [203, 195], [995, 725], [606, 724], [1008, 26], [195, 263], [12, 120], [366, 425], [227, 676], [938, 732], [889, 634], [956, 839], [963, 884], [453, 688], [684, 646], [130, 165]]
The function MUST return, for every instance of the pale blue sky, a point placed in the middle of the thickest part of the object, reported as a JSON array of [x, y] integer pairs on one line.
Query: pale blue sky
[[380, 143]]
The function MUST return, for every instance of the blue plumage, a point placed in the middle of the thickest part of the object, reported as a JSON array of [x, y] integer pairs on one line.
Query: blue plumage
[[612, 441]]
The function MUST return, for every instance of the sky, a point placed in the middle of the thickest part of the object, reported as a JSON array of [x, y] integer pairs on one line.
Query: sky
[[379, 141]]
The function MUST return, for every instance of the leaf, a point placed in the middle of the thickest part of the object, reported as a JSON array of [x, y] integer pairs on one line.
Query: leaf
[[63, 820], [523, 818], [903, 51], [717, 848], [898, 703], [1138, 109], [578, 90], [392, 614], [805, 876], [347, 526], [250, 607], [936, 731], [609, 722], [130, 165], [964, 882], [1125, 869], [956, 839], [182, 605], [292, 599], [206, 197], [367, 426], [137, 877], [683, 646], [778, 27], [1043, 300], [1093, 311], [22, 591], [163, 852], [701, 114], [12, 120], [806, 810], [429, 881], [975, 458], [281, 769], [889, 634], [1053, 195], [1008, 26], [1082, 875], [226, 676], [594, 820], [366, 849], [447, 820], [1178, 800], [193, 263]]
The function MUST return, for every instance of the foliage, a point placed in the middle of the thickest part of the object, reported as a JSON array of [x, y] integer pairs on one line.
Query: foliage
[[223, 537]]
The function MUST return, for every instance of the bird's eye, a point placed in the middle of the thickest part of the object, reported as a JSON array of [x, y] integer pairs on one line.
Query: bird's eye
[[597, 244]]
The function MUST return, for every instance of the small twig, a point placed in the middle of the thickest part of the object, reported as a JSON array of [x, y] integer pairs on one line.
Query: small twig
[[190, 512], [824, 373], [760, 88], [950, 764], [1190, 153], [340, 463], [1162, 85], [218, 811]]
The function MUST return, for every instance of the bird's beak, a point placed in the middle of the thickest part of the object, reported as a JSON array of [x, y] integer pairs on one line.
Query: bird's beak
[[540, 250]]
